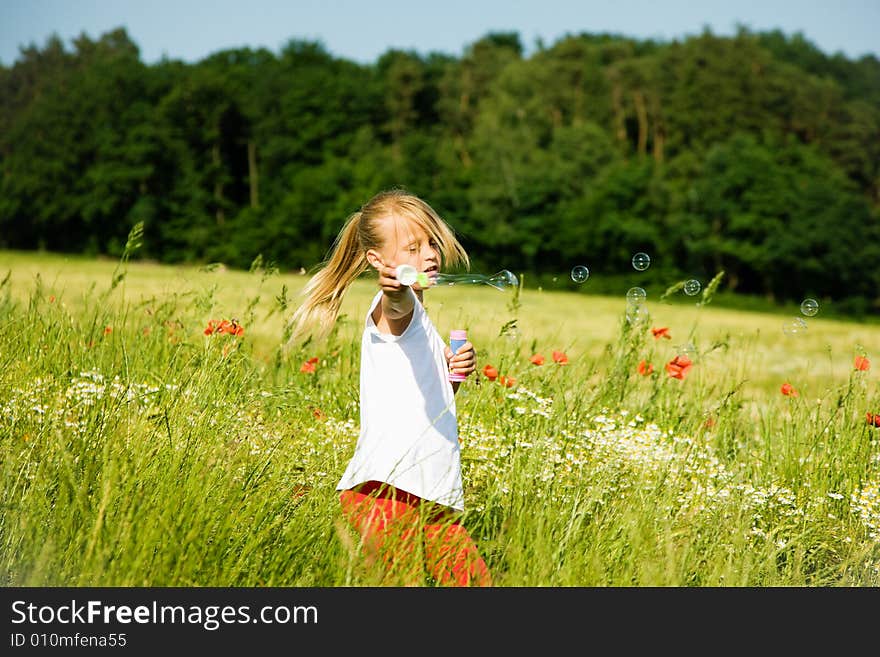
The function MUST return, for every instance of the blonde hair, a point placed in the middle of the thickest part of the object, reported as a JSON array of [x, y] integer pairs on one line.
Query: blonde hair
[[347, 260]]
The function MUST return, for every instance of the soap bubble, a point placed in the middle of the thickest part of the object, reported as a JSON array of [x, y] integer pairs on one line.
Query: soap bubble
[[692, 287], [503, 280], [809, 307], [641, 261], [636, 295], [579, 273], [794, 327], [636, 314]]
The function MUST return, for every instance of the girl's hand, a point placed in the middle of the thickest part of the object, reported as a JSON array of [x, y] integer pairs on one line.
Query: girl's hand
[[388, 279], [464, 361], [392, 315]]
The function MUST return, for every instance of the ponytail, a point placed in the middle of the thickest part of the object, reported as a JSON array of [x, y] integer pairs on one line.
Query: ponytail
[[323, 293]]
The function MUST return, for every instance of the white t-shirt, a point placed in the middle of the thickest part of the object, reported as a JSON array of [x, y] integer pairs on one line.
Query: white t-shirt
[[409, 430]]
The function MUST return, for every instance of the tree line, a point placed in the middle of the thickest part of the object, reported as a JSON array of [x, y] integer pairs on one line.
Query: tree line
[[756, 154]]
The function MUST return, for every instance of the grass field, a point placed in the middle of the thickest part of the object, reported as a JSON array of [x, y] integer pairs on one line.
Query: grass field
[[136, 450]]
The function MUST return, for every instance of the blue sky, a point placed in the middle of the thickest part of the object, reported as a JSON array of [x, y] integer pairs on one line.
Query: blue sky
[[362, 30]]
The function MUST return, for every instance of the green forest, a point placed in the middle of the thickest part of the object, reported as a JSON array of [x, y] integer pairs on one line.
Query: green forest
[[754, 154]]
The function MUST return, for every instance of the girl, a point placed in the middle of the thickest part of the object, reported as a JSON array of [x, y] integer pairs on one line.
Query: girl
[[402, 489]]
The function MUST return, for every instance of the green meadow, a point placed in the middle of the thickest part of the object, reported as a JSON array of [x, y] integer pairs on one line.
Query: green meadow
[[137, 450]]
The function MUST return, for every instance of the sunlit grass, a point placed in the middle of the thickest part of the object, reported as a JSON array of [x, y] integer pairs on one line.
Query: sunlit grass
[[136, 450]]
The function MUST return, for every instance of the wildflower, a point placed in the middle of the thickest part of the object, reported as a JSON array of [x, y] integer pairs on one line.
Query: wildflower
[[318, 413], [506, 381], [709, 423], [788, 390], [862, 364], [232, 327], [560, 357], [51, 298], [662, 332], [537, 359], [490, 372], [678, 367], [108, 330], [873, 419], [310, 365], [146, 330], [645, 368]]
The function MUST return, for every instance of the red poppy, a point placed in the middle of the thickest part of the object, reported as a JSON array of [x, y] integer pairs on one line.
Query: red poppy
[[537, 359], [788, 390], [506, 381], [645, 368], [224, 326], [662, 332], [490, 372], [318, 413], [309, 366], [231, 327], [709, 423], [51, 298], [560, 357], [679, 366], [873, 419], [862, 364], [108, 330]]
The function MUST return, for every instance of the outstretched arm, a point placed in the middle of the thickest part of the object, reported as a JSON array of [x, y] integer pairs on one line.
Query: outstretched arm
[[394, 313]]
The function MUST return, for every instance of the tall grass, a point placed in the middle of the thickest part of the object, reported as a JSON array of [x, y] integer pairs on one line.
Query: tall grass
[[135, 450]]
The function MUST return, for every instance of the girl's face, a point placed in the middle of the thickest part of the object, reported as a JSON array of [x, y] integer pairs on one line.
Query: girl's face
[[405, 242]]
